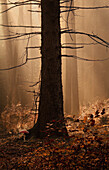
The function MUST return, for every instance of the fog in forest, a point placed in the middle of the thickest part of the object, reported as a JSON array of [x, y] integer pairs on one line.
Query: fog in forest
[[15, 83], [83, 81], [87, 79], [34, 132]]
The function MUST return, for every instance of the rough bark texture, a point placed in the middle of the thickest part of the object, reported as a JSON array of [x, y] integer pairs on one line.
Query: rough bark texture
[[51, 97]]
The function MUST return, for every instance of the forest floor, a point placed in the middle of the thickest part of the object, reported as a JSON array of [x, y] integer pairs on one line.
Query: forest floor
[[87, 147]]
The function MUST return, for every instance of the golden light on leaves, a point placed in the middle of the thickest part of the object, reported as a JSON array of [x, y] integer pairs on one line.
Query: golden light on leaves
[[86, 146]]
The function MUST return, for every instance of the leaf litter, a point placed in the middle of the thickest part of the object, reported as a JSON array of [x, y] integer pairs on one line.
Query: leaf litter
[[87, 146]]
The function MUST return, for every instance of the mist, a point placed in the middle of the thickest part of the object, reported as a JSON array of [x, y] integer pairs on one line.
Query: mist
[[15, 83], [83, 81], [87, 81]]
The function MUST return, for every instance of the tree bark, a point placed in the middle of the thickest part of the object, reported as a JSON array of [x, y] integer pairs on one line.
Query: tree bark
[[51, 96]]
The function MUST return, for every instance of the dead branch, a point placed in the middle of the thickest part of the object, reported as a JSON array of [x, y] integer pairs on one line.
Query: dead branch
[[17, 2], [35, 84], [34, 11], [85, 59], [10, 68], [80, 8], [18, 6], [33, 58], [34, 47], [18, 26], [79, 44], [67, 21], [92, 36], [20, 65], [20, 35], [70, 47], [64, 1], [26, 60]]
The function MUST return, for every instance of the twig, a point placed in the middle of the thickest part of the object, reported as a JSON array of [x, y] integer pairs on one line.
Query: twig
[[72, 47], [80, 43], [18, 6], [35, 84], [34, 11], [20, 35], [85, 59], [24, 26]]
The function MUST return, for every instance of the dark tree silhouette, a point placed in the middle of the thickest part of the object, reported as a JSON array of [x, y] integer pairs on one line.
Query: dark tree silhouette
[[51, 96]]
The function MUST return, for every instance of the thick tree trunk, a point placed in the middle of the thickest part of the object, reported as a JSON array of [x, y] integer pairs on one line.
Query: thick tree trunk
[[51, 97]]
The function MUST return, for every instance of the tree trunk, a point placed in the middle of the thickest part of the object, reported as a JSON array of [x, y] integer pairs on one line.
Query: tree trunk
[[51, 97]]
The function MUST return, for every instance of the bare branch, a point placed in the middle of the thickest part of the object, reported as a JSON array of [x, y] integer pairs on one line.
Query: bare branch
[[10, 68], [26, 60], [34, 11], [80, 43], [17, 2], [35, 84], [85, 8], [92, 36], [34, 47], [18, 6], [70, 47], [20, 65], [64, 1], [18, 26], [33, 58], [67, 21], [85, 59], [20, 35]]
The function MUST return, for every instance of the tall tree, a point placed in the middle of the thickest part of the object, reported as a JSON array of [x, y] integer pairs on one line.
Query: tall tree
[[51, 97]]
